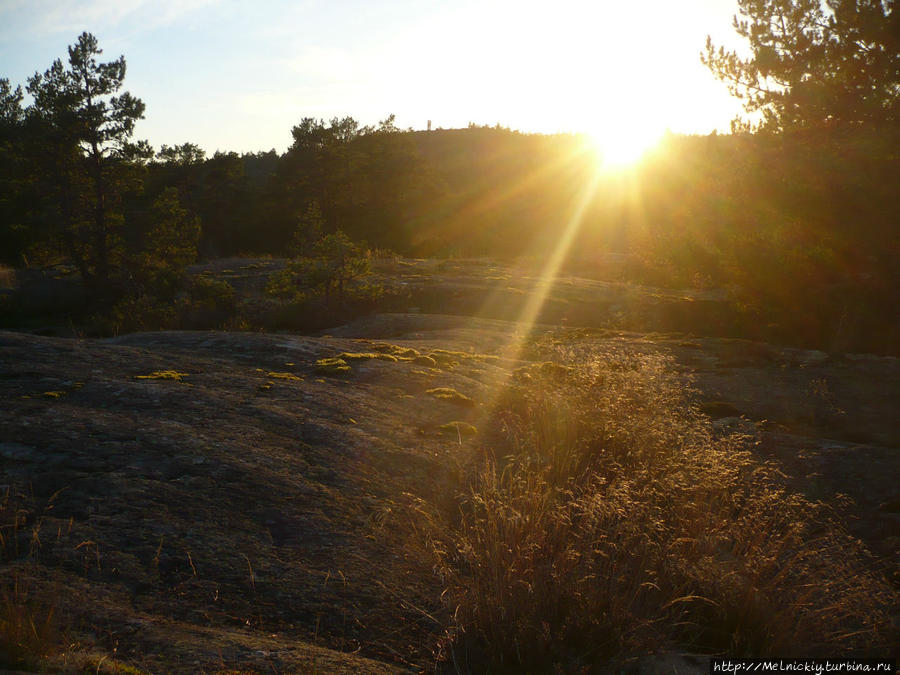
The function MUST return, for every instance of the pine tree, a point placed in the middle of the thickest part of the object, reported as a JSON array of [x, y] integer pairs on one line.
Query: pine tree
[[84, 152], [813, 65]]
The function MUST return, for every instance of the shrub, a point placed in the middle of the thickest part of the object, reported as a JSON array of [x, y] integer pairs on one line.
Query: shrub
[[138, 313], [211, 304], [212, 294], [327, 266], [282, 285]]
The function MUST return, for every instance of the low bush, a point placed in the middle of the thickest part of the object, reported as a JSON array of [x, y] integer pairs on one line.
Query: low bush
[[211, 304], [136, 313]]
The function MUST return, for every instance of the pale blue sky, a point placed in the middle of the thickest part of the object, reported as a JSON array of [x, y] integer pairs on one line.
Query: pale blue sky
[[237, 75]]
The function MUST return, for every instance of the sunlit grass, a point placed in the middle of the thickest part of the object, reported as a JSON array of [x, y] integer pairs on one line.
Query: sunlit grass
[[609, 518], [550, 270]]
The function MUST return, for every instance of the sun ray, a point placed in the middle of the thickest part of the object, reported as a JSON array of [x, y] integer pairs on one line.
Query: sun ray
[[505, 194], [551, 268], [527, 318]]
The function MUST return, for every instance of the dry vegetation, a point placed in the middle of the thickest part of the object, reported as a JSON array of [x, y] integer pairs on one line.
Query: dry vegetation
[[30, 627], [610, 519], [565, 504]]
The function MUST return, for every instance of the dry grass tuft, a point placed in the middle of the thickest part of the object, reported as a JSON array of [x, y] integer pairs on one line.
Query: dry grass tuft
[[611, 520], [7, 277], [29, 625], [29, 622]]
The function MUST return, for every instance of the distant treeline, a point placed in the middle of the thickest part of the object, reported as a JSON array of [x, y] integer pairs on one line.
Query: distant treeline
[[693, 211], [459, 192], [801, 224]]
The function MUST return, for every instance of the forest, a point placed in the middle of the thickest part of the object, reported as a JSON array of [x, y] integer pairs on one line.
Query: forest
[[795, 214]]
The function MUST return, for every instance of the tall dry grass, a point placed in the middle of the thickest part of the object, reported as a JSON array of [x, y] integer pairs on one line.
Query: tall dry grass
[[610, 519], [7, 277], [29, 624]]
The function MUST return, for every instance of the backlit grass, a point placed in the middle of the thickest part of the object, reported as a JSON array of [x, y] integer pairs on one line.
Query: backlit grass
[[610, 519]]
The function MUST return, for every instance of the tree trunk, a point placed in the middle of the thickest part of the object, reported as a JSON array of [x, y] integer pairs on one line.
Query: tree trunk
[[100, 233]]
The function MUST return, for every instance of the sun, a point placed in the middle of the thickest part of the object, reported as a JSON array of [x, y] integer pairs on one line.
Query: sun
[[623, 144]]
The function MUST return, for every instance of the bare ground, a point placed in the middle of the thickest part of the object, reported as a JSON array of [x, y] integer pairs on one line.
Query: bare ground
[[232, 519]]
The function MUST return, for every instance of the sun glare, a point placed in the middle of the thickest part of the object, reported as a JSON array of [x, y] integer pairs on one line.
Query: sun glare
[[618, 146]]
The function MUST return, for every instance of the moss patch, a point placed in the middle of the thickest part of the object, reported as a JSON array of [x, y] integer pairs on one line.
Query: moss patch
[[446, 353], [449, 359], [366, 356], [395, 350], [333, 365], [451, 396], [406, 352], [284, 376], [162, 375], [458, 429], [443, 358]]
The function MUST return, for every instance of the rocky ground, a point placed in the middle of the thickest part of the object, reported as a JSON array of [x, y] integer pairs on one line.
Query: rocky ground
[[217, 502]]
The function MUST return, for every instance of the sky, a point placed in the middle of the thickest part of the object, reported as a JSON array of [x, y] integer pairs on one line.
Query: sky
[[238, 75]]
